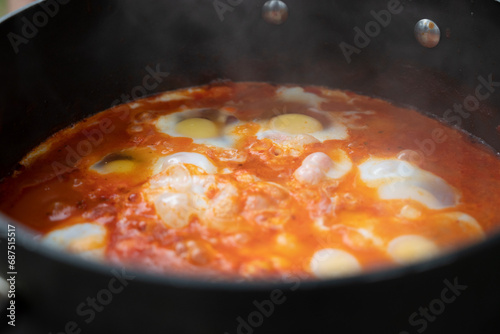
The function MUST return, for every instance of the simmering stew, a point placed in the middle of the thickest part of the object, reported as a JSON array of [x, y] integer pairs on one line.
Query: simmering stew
[[254, 181]]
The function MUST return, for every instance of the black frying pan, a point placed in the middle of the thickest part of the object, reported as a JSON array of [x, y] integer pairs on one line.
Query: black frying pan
[[81, 59]]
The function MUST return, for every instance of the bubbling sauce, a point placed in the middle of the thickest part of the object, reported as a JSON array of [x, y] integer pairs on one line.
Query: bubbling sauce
[[256, 181]]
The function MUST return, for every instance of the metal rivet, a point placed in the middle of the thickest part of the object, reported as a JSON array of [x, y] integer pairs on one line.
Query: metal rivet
[[275, 12], [427, 33]]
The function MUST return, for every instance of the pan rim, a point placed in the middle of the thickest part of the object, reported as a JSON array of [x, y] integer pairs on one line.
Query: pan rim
[[24, 235]]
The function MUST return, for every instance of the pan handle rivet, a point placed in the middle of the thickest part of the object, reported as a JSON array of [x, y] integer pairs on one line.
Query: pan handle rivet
[[275, 12], [427, 33]]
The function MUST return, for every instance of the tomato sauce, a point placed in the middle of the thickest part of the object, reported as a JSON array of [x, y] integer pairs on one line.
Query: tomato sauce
[[58, 185]]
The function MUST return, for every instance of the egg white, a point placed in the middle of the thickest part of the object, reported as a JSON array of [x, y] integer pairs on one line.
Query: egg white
[[196, 159], [298, 95], [167, 125], [319, 166], [180, 191], [332, 263], [397, 179], [86, 239]]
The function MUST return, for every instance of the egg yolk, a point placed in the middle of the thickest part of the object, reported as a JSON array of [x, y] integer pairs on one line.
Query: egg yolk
[[295, 124], [197, 128], [118, 166]]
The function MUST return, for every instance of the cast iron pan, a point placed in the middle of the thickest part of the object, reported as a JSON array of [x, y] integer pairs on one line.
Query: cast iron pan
[[90, 52]]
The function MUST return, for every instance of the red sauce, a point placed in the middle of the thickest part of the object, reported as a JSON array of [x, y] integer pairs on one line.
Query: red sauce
[[58, 188]]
